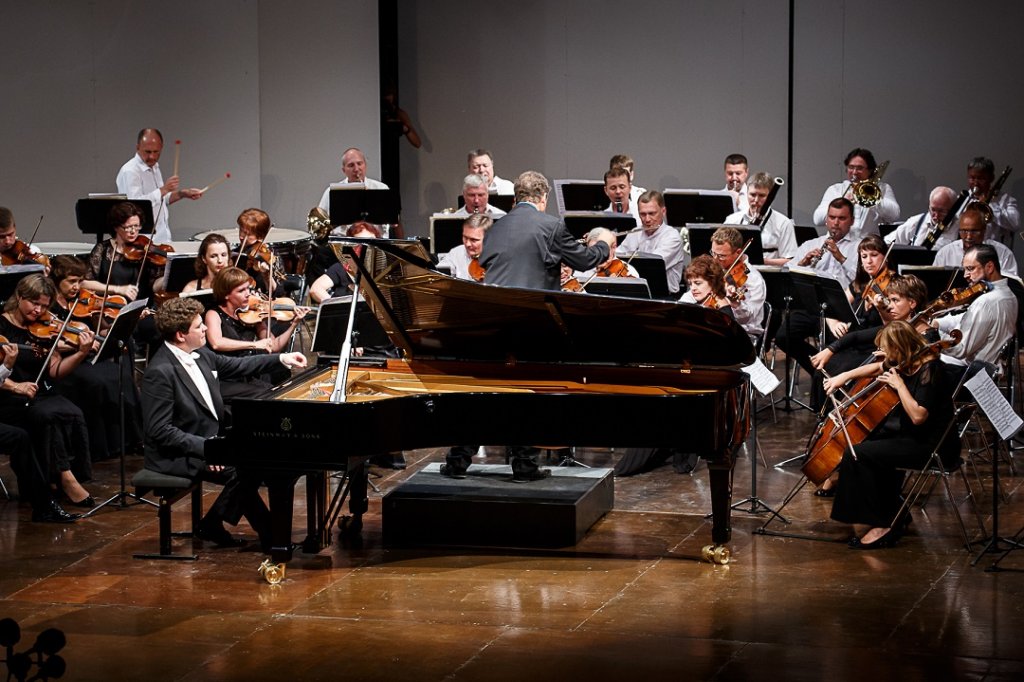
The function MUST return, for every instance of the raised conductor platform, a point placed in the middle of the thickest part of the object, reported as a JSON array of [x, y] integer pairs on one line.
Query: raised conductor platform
[[486, 508]]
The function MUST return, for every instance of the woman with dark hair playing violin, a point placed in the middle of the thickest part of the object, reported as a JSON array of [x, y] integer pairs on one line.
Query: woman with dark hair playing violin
[[54, 423], [228, 334], [115, 264], [868, 491], [867, 291], [96, 388]]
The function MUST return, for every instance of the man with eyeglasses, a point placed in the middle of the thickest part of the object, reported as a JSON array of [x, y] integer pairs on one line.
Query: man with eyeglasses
[[915, 230], [747, 302], [972, 233], [860, 165]]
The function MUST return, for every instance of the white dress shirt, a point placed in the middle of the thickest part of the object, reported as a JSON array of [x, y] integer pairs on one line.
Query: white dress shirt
[[750, 311], [632, 210], [368, 183], [742, 201], [195, 374], [865, 220], [492, 211], [458, 260], [987, 325], [666, 243], [501, 186], [952, 255], [917, 228], [778, 237], [829, 264], [136, 180], [1005, 218]]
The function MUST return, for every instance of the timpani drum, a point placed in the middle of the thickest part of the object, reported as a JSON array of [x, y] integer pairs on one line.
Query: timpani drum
[[77, 249], [291, 246]]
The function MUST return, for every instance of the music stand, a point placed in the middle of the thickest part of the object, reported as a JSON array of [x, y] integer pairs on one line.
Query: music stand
[[579, 223], [332, 324], [626, 287], [445, 232], [685, 207], [204, 296], [10, 275], [651, 268], [503, 201], [179, 270], [885, 229], [805, 233], [580, 195], [936, 277], [700, 240], [352, 203], [91, 214], [116, 343], [904, 254]]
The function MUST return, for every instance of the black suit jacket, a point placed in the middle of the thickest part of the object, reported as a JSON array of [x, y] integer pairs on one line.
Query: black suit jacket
[[177, 420], [526, 248]]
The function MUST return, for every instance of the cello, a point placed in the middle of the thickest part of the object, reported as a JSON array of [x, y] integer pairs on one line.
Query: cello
[[853, 419]]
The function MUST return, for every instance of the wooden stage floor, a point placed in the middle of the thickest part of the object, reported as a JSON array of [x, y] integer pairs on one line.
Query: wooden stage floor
[[631, 601]]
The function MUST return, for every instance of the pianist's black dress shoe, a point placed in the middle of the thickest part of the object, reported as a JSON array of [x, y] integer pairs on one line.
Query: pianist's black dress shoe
[[218, 535], [535, 475], [87, 503], [451, 472], [51, 512]]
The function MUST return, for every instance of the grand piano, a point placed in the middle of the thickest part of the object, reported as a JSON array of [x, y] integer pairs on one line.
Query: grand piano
[[498, 366]]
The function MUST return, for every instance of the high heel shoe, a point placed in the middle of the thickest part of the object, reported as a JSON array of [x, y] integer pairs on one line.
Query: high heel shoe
[[87, 503], [885, 542]]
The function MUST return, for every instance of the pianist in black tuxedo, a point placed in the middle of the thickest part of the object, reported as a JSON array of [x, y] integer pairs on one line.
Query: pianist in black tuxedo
[[527, 247], [182, 407]]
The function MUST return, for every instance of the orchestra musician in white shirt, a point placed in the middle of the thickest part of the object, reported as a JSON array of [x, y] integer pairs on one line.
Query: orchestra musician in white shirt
[[860, 166], [778, 236]]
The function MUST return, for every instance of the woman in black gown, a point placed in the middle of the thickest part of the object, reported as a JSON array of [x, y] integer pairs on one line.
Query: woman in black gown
[[27, 398], [868, 490]]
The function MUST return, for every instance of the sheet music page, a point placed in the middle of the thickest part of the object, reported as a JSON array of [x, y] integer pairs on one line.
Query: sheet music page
[[994, 405], [764, 381]]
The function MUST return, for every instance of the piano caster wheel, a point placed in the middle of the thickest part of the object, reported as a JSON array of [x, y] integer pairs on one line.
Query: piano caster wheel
[[716, 554], [272, 573], [351, 526]]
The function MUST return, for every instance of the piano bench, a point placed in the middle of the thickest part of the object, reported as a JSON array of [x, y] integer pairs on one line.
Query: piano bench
[[169, 489]]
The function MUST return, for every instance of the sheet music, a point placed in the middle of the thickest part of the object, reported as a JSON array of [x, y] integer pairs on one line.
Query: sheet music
[[764, 381], [994, 405]]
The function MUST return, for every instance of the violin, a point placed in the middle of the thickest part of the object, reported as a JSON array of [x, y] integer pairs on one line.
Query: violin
[[948, 300], [31, 348], [476, 271], [868, 405], [614, 268], [258, 310], [144, 249], [88, 304], [877, 286], [21, 254], [48, 326], [737, 278]]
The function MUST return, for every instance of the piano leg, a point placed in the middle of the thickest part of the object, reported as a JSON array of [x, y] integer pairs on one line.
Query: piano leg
[[720, 473], [318, 535], [281, 493]]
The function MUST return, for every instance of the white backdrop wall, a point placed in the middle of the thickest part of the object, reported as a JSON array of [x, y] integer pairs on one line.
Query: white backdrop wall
[[561, 86], [263, 90]]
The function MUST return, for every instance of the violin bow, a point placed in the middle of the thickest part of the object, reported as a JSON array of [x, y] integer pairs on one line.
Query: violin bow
[[35, 231], [739, 256], [49, 355]]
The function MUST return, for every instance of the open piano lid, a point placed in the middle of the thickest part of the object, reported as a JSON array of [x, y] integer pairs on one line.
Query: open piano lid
[[431, 315]]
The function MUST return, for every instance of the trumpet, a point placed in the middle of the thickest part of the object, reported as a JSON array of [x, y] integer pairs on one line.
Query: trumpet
[[867, 193]]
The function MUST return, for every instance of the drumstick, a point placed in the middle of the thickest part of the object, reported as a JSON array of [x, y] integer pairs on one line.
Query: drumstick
[[177, 155], [215, 183]]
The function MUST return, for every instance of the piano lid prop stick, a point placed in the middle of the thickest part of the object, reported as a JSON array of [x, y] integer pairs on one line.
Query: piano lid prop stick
[[177, 155], [341, 381], [215, 183]]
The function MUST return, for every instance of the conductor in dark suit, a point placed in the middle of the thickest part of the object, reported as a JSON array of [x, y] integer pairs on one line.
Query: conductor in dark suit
[[182, 407], [527, 247]]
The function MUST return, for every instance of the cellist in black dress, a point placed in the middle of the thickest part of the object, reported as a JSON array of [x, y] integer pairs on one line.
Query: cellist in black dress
[[868, 490]]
